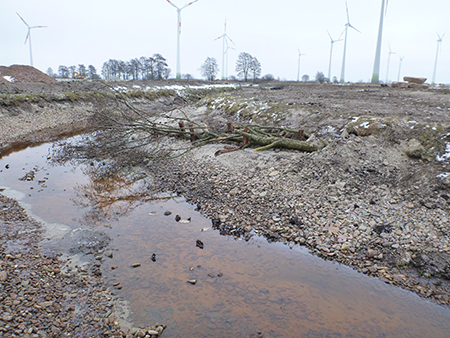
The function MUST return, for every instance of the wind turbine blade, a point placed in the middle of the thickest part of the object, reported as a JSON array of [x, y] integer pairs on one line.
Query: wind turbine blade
[[354, 28], [192, 2], [348, 17], [385, 11], [172, 4], [23, 20], [330, 36], [218, 38], [26, 39], [38, 27]]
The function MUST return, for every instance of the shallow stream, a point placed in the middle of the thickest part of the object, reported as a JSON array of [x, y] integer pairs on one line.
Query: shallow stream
[[242, 289]]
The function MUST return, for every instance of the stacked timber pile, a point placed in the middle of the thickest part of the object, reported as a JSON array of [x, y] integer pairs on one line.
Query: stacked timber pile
[[411, 82]]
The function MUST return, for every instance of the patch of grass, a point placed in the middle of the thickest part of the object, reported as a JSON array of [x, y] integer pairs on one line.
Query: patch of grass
[[431, 139]]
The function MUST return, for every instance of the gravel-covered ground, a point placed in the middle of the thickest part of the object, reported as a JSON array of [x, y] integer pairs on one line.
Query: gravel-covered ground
[[376, 198]]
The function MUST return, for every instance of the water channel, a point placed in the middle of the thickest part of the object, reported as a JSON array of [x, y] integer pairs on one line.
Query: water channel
[[242, 289]]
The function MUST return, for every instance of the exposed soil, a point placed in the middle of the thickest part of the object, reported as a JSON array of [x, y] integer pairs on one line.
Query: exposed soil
[[376, 198], [24, 74]]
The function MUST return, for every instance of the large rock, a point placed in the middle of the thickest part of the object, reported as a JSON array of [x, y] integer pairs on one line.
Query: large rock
[[413, 148], [418, 80]]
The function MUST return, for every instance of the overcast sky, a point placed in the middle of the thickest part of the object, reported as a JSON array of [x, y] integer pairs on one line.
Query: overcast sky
[[92, 32]]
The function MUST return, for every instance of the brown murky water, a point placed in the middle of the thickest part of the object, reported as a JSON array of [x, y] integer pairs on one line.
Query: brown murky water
[[262, 288]]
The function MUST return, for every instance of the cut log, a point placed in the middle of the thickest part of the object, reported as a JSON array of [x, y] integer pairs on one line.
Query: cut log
[[399, 85], [418, 80], [268, 142]]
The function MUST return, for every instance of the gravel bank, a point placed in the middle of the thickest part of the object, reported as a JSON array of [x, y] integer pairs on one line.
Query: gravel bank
[[360, 201], [353, 218], [39, 296]]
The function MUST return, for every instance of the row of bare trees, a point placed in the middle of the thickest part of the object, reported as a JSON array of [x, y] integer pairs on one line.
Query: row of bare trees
[[247, 67], [65, 72], [144, 68]]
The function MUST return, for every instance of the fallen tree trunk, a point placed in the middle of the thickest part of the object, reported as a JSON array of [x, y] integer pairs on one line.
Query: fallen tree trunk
[[132, 129], [268, 142]]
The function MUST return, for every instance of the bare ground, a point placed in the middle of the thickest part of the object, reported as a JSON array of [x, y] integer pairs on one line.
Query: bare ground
[[376, 198]]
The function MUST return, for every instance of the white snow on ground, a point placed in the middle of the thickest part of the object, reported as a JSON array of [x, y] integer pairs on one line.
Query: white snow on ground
[[364, 124], [443, 175], [446, 155], [179, 89], [8, 78], [411, 124]]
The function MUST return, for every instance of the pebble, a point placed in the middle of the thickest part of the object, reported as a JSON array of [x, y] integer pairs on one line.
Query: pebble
[[135, 265], [349, 221]]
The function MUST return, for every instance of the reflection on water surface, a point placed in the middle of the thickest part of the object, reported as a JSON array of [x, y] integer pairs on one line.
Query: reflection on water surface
[[242, 289]]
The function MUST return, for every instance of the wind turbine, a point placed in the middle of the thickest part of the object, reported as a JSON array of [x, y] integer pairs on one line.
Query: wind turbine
[[225, 39], [29, 36], [179, 9], [331, 53], [439, 40], [298, 71], [345, 43], [226, 52], [389, 60], [399, 67], [376, 65]]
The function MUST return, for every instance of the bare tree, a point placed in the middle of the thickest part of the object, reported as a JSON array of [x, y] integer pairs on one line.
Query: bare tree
[[243, 65], [82, 70], [209, 69], [50, 72], [320, 77], [72, 70], [162, 71], [305, 78], [92, 72], [255, 68]]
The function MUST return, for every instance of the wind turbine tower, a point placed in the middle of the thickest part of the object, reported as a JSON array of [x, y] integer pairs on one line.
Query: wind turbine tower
[[331, 53], [226, 52], [389, 60], [399, 67], [29, 36], [342, 80], [298, 69], [376, 65], [179, 9], [225, 39], [439, 41]]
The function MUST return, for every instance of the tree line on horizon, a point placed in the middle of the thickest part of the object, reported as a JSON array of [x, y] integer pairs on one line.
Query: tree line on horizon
[[156, 68]]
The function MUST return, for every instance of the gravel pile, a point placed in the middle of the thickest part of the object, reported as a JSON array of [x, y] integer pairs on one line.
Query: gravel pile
[[39, 296], [380, 229]]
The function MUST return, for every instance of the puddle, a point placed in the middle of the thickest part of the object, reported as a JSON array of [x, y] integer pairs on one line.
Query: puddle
[[242, 289]]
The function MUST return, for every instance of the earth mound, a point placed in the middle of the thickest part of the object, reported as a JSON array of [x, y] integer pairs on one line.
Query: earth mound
[[22, 73]]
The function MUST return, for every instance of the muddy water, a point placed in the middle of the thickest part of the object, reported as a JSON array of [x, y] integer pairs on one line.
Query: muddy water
[[242, 288]]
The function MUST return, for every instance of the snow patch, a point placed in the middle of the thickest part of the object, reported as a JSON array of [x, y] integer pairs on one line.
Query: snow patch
[[364, 124], [443, 175], [446, 155], [8, 78]]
